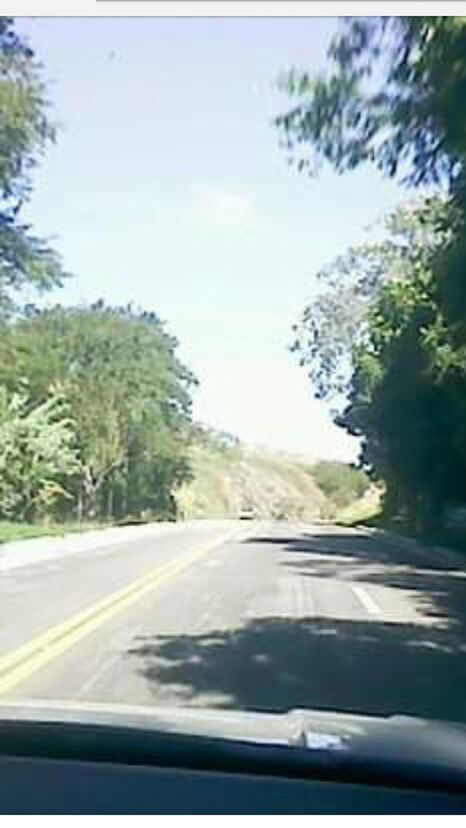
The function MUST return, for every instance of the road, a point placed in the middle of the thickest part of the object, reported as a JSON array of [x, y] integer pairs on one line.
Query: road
[[259, 615]]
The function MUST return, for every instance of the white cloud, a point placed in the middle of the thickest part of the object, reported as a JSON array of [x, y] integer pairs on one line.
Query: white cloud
[[222, 209]]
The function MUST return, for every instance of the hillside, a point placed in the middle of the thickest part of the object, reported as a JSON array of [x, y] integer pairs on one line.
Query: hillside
[[227, 478]]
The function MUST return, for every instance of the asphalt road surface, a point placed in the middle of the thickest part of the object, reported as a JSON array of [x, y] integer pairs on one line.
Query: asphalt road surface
[[252, 615]]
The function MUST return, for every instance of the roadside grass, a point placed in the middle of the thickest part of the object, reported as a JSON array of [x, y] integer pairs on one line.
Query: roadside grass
[[367, 510], [10, 531]]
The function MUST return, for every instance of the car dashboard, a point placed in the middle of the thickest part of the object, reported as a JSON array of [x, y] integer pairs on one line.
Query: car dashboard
[[62, 765]]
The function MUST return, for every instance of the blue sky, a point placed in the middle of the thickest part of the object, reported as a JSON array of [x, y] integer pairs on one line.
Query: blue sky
[[167, 188]]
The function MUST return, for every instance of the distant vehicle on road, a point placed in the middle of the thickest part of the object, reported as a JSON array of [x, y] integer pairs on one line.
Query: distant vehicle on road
[[247, 513]]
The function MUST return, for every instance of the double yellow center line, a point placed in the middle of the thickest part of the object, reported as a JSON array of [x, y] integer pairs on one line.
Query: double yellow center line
[[22, 663]]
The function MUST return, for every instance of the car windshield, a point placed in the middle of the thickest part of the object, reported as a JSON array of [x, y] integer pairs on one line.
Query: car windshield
[[232, 363]]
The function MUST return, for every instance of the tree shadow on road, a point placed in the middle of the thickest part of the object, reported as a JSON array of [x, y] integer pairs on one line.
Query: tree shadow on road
[[437, 587], [372, 666], [274, 664], [383, 548]]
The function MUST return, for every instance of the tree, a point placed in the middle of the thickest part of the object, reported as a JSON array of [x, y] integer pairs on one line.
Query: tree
[[25, 131], [221, 441], [375, 320], [395, 97], [337, 320], [38, 454], [127, 390]]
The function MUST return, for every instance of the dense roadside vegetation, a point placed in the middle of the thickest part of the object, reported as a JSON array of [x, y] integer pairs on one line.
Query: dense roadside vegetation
[[342, 485], [97, 414], [387, 335]]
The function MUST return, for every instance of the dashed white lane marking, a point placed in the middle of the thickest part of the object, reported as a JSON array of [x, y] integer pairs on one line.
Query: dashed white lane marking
[[366, 600]]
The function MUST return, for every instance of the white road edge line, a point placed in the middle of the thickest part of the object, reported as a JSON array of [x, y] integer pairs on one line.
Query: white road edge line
[[366, 600]]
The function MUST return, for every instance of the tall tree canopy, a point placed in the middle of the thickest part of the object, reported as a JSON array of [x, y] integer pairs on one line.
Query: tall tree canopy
[[395, 96], [25, 131]]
